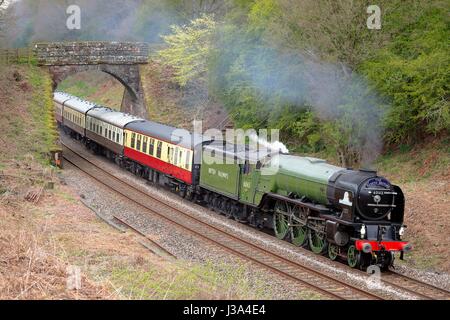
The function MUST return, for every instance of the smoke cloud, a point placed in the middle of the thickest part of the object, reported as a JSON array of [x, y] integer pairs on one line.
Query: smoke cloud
[[109, 20], [332, 91]]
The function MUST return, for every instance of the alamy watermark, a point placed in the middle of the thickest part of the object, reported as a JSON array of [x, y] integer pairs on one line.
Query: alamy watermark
[[73, 22], [233, 146], [73, 281], [374, 20]]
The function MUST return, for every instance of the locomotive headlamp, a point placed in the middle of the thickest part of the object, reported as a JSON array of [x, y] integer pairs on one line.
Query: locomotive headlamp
[[401, 231], [363, 231]]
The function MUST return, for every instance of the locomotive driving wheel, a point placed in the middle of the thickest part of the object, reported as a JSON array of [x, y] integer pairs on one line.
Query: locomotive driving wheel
[[317, 238], [333, 251], [281, 219], [298, 228], [317, 241], [353, 256]]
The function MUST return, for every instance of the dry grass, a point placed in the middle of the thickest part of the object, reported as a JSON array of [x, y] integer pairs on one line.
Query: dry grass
[[31, 266], [29, 270], [423, 173], [46, 232]]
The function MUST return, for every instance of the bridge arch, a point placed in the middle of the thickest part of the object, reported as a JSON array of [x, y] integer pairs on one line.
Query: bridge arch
[[120, 60]]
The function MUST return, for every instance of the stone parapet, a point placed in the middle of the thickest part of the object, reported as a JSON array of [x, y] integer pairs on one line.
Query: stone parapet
[[91, 53]]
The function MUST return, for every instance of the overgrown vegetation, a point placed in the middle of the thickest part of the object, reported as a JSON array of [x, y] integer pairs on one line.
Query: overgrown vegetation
[[312, 69], [34, 118], [42, 111], [95, 86], [192, 281], [315, 71]]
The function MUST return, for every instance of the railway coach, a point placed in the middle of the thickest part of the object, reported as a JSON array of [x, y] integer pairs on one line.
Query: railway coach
[[105, 131], [74, 112], [59, 98], [163, 154]]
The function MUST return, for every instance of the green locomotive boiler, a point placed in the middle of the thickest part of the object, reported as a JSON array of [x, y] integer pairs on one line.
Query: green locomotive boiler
[[355, 215]]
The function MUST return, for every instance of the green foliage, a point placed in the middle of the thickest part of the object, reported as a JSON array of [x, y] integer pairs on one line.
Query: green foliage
[[77, 87], [246, 59], [188, 49], [414, 72], [42, 110], [407, 62]]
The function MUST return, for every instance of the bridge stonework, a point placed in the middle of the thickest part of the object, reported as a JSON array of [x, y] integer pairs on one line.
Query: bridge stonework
[[119, 59]]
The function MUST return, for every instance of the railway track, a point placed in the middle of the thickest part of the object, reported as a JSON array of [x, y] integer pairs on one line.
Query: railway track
[[304, 275], [419, 288]]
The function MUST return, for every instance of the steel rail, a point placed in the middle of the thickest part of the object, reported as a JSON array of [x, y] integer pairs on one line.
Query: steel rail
[[414, 286]]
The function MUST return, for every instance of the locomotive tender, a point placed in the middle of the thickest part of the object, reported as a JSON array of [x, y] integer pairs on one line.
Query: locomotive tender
[[344, 213]]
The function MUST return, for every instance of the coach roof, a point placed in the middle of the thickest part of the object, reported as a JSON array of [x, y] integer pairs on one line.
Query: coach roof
[[79, 105], [61, 97], [110, 116], [167, 133]]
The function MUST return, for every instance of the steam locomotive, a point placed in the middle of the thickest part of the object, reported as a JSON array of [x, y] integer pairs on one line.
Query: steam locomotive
[[346, 214]]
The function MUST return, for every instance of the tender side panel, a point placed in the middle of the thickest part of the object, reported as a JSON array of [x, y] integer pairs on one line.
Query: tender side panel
[[221, 177], [160, 155]]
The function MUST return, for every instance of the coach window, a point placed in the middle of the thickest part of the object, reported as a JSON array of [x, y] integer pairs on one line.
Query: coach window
[[175, 161], [152, 146], [133, 140], [138, 144], [169, 154], [144, 145], [159, 149]]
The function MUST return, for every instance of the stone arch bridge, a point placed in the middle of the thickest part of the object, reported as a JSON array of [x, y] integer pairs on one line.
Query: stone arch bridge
[[119, 59]]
